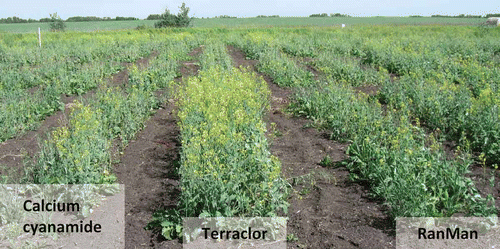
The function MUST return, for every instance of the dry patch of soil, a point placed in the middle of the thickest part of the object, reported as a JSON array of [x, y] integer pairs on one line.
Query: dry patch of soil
[[147, 169], [370, 90]]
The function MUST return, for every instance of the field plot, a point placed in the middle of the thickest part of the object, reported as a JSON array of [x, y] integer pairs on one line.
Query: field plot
[[249, 22], [340, 130]]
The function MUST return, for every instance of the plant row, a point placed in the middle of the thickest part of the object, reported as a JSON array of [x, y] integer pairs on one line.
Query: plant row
[[404, 165], [23, 110], [448, 76], [79, 152], [226, 167]]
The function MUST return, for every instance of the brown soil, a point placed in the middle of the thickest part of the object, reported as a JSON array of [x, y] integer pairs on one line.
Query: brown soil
[[394, 77], [197, 51], [332, 212], [370, 90], [481, 177], [479, 174], [147, 169], [121, 78], [191, 67], [306, 64]]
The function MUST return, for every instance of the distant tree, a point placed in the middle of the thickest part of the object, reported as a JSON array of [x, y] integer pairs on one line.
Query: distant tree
[[338, 15], [154, 17], [57, 24], [225, 16], [15, 19], [492, 15], [440, 16], [319, 15], [168, 19], [83, 19], [183, 19], [458, 16], [141, 27], [121, 18]]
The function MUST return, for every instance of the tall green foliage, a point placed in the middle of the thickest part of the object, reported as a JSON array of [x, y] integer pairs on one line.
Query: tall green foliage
[[57, 24], [168, 19]]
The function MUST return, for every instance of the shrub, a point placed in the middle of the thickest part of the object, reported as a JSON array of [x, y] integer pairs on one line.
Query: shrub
[[57, 24], [168, 19], [141, 27], [154, 17], [319, 15]]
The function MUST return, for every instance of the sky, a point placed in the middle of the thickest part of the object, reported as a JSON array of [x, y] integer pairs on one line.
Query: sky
[[37, 9]]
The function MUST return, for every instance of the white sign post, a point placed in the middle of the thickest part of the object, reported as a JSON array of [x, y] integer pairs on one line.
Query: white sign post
[[39, 38], [343, 25]]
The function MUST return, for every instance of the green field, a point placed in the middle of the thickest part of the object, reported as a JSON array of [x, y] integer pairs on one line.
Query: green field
[[416, 107], [332, 21], [249, 22], [75, 26]]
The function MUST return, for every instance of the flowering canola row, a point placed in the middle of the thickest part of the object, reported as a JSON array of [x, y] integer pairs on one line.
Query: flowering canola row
[[226, 167]]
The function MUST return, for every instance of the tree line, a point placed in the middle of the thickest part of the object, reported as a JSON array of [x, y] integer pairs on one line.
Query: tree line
[[459, 16], [94, 18], [181, 19], [331, 15], [464, 16], [16, 19]]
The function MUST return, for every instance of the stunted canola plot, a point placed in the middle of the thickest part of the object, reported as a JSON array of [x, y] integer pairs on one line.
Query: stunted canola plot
[[433, 84]]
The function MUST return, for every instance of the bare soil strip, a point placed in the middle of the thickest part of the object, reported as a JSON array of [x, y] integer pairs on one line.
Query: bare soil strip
[[148, 169], [13, 151], [328, 210]]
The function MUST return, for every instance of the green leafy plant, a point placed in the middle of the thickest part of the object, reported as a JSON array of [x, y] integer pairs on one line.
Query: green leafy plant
[[326, 161], [291, 238], [226, 167]]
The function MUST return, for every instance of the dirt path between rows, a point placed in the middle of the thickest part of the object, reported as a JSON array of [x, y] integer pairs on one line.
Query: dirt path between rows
[[328, 210], [148, 169], [13, 151]]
